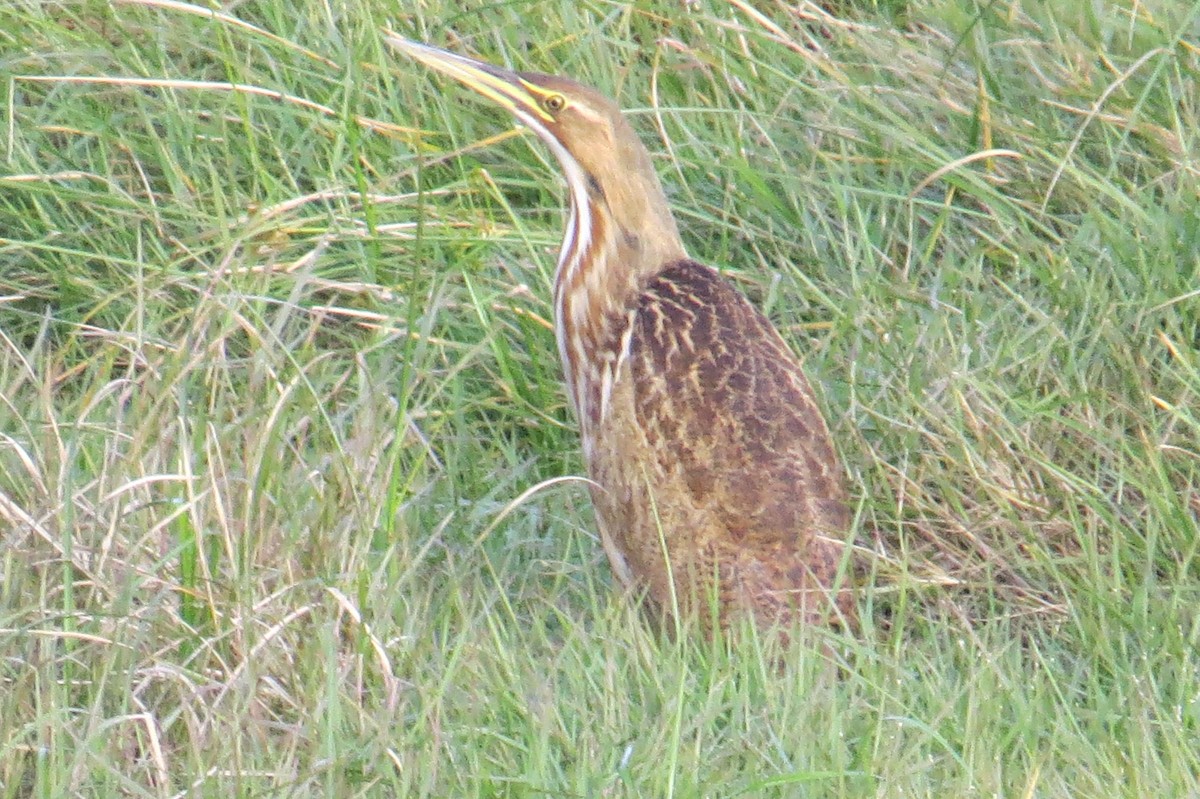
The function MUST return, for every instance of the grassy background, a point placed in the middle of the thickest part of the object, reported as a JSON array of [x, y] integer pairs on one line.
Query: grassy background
[[281, 416]]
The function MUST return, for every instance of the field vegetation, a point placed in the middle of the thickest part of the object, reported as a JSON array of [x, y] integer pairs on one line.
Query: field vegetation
[[290, 496]]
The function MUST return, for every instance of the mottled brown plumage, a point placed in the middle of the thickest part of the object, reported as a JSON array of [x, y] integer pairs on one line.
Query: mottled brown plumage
[[723, 448], [716, 485]]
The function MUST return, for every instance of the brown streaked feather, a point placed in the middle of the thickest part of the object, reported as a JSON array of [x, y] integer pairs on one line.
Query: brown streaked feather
[[745, 484]]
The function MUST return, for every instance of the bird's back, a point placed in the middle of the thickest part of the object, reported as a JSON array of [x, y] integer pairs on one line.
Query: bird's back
[[716, 469]]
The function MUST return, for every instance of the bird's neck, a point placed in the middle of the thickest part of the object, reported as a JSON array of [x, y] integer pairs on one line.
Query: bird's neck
[[619, 234]]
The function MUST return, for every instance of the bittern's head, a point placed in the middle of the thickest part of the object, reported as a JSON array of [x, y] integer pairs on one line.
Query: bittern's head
[[604, 162]]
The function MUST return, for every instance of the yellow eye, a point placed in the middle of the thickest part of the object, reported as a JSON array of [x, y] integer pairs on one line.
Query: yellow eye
[[554, 103]]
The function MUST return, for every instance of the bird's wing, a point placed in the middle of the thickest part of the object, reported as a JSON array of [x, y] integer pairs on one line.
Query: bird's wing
[[752, 444]]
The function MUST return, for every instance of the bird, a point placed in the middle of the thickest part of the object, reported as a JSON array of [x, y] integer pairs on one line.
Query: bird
[[717, 490]]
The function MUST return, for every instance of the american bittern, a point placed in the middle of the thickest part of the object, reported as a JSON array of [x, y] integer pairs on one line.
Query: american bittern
[[715, 480]]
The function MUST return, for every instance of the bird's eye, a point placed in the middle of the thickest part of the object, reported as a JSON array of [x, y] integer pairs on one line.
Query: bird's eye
[[554, 103]]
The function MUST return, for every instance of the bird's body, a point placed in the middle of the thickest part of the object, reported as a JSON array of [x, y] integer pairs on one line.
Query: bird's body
[[743, 485], [715, 483]]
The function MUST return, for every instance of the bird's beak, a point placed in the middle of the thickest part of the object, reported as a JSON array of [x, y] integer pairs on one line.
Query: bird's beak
[[501, 86]]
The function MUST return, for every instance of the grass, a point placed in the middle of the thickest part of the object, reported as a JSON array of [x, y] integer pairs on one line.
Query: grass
[[281, 423]]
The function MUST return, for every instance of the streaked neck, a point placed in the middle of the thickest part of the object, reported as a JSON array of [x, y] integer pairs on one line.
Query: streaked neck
[[605, 259]]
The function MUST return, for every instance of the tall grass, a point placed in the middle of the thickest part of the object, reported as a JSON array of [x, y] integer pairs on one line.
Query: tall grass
[[282, 431]]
